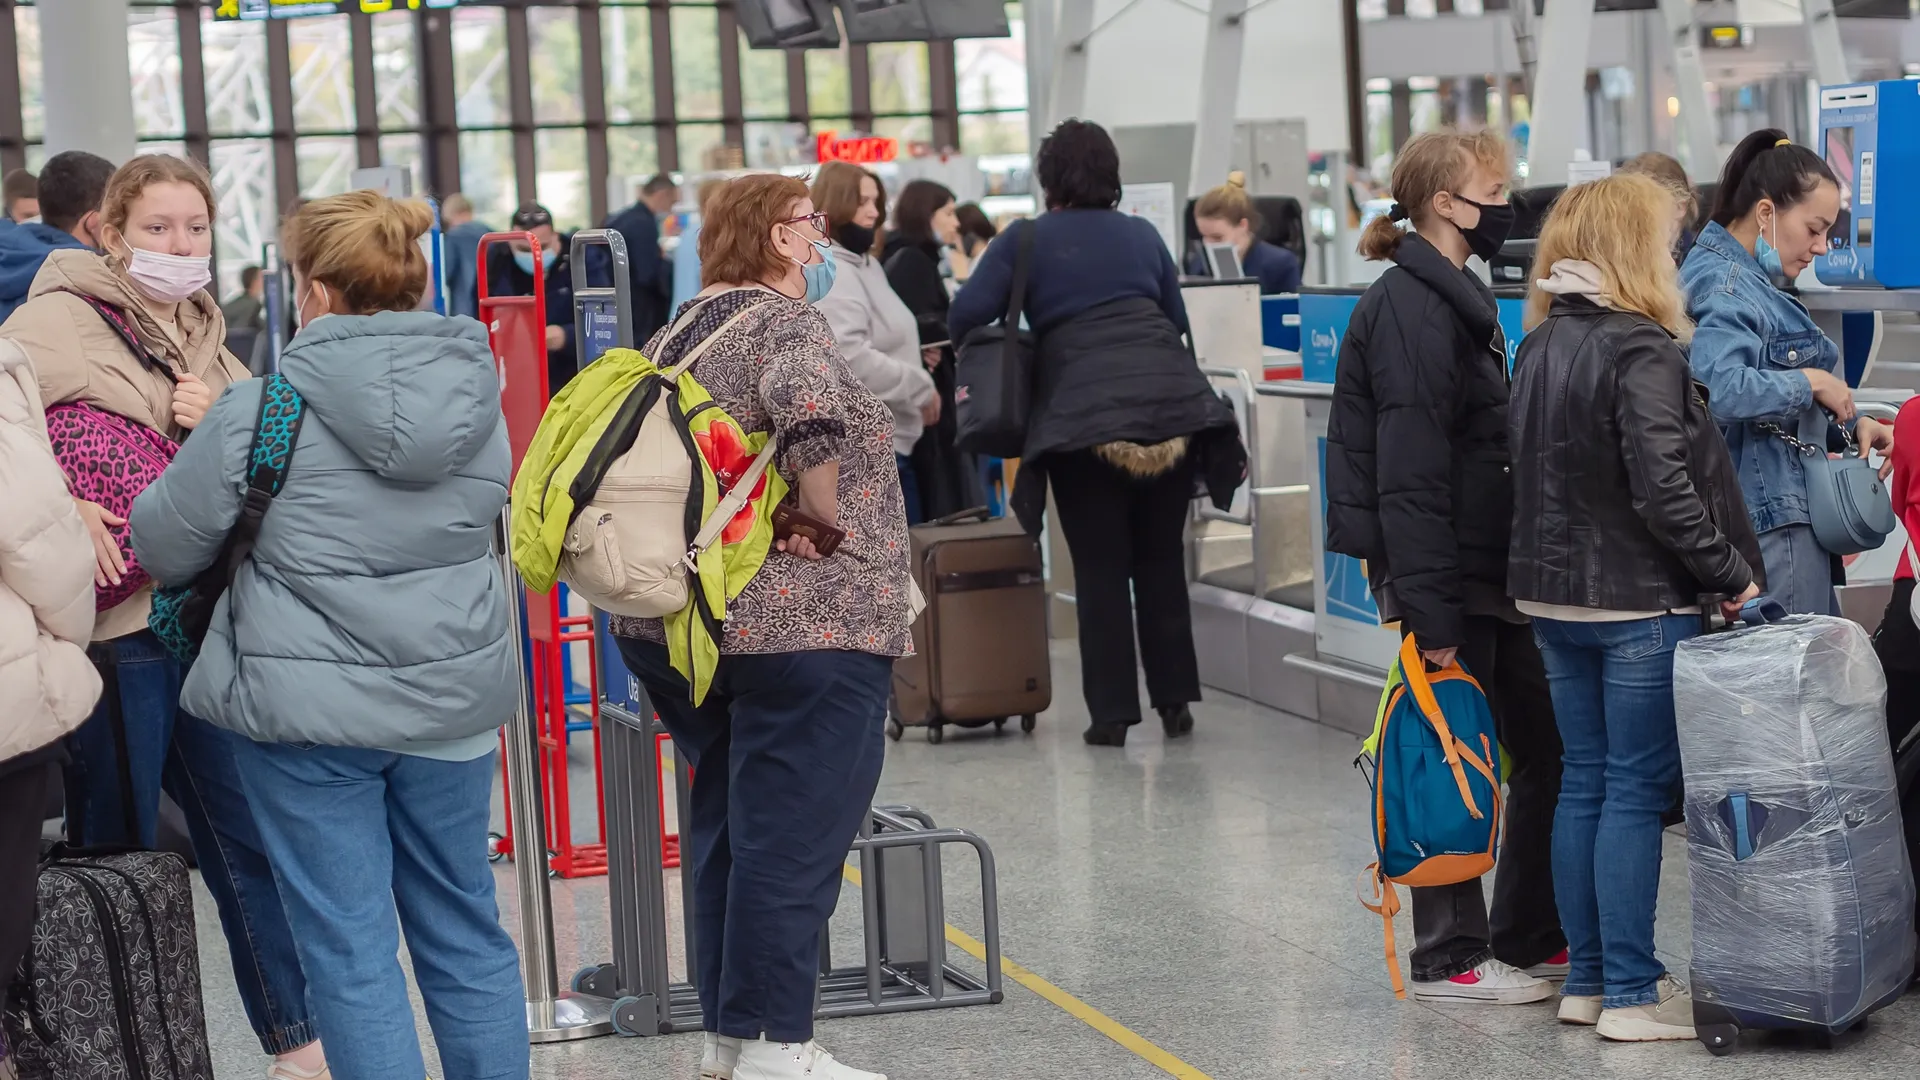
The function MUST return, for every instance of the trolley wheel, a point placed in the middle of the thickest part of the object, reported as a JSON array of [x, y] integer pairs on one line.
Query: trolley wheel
[[895, 729], [582, 980], [999, 725], [494, 852], [628, 1019], [936, 734], [1027, 723], [1719, 1039], [1823, 1039], [551, 872]]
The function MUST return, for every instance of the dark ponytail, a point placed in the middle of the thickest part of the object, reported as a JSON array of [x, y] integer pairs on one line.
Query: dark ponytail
[[1767, 165]]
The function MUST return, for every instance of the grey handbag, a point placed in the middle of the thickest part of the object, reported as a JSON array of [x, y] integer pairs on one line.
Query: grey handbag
[[1850, 507]]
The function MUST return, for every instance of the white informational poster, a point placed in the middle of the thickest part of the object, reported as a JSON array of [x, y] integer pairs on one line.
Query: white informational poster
[[1582, 172], [1155, 203]]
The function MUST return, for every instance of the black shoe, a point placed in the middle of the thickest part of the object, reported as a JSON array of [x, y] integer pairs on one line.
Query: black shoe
[[1106, 735], [1177, 720]]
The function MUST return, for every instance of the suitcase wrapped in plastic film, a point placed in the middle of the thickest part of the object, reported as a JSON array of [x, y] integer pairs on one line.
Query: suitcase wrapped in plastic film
[[1803, 899]]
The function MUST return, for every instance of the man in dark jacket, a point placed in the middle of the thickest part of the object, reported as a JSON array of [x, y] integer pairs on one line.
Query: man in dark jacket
[[510, 273], [650, 272], [71, 187], [1418, 486]]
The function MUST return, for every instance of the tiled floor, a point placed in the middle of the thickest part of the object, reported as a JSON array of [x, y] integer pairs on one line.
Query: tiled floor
[[1198, 893]]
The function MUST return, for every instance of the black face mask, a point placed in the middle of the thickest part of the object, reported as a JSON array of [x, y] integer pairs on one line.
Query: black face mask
[[855, 238], [1495, 225]]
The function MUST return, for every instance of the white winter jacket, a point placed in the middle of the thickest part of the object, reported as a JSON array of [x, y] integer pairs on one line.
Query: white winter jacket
[[880, 338], [47, 685]]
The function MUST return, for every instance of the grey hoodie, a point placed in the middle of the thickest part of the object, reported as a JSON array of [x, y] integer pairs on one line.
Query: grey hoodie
[[372, 612]]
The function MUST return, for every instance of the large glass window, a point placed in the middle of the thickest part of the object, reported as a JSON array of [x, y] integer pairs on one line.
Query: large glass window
[[560, 163], [326, 164], [153, 57], [633, 154], [33, 102], [900, 77], [696, 63], [554, 37], [700, 145], [486, 174], [404, 152], [321, 53], [396, 74], [480, 68], [994, 133], [243, 188], [626, 54], [828, 88], [235, 55], [991, 79], [763, 81]]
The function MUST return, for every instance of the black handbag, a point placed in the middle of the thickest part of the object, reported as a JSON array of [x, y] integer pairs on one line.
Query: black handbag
[[994, 374]]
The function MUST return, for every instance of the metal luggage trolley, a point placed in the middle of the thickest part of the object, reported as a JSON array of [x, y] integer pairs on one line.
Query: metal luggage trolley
[[904, 967]]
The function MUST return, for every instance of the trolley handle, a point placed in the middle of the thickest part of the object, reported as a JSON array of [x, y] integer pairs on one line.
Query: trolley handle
[[621, 290], [539, 265]]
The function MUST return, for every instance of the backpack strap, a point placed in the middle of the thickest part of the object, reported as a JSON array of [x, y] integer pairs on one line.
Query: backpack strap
[[700, 348], [275, 431], [735, 498], [1383, 900], [117, 321]]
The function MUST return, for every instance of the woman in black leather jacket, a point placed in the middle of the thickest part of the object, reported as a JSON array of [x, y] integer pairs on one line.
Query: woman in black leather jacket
[[1626, 512]]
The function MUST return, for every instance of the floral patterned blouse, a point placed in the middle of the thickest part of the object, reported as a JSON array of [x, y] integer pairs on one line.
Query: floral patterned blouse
[[780, 368]]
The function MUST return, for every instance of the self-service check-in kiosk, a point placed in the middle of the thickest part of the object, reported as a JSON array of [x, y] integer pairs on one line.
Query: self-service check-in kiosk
[[1870, 137]]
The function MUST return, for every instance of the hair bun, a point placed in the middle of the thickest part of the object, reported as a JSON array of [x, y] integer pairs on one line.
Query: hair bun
[[1238, 179]]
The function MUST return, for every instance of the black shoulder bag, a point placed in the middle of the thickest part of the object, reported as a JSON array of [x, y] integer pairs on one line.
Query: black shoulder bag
[[993, 392]]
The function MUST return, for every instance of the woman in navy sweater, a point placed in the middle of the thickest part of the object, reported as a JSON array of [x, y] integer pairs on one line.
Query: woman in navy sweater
[[1122, 421], [1226, 215]]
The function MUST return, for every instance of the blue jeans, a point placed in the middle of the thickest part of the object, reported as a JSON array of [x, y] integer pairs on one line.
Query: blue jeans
[[193, 761], [1799, 571], [909, 487], [366, 843], [786, 754], [1612, 689]]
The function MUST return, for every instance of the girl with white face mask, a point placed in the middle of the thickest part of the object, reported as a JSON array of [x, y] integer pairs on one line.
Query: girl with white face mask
[[132, 331]]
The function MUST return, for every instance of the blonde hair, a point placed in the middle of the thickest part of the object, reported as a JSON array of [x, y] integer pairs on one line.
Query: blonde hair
[[1430, 163], [132, 180], [364, 247], [1670, 172], [1229, 202], [1620, 225]]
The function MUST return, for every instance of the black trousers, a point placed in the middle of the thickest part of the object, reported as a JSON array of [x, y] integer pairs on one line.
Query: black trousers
[[1126, 536], [1452, 930], [23, 802]]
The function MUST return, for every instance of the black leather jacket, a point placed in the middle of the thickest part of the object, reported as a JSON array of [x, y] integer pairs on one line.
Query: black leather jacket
[[1625, 497]]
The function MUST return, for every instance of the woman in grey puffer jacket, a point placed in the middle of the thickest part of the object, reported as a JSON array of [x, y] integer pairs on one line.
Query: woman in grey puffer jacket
[[365, 647]]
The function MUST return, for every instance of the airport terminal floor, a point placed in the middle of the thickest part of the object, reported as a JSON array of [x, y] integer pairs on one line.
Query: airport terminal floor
[[1180, 909]]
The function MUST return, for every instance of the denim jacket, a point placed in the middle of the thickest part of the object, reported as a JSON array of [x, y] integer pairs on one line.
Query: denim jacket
[[1751, 344]]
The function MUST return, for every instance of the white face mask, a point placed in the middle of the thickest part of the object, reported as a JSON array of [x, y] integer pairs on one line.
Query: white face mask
[[169, 278], [301, 322]]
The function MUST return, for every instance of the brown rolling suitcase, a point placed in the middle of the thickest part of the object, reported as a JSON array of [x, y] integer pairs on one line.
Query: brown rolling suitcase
[[980, 647]]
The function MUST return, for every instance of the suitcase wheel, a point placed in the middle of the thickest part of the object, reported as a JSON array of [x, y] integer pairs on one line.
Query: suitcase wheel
[[1719, 1039], [1027, 722], [999, 725], [936, 734], [895, 729]]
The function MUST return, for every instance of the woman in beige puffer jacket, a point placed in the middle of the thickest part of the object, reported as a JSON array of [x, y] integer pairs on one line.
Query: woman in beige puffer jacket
[[47, 687]]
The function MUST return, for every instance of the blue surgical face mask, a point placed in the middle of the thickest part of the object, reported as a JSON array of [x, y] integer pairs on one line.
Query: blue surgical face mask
[[524, 259], [819, 276], [1768, 255]]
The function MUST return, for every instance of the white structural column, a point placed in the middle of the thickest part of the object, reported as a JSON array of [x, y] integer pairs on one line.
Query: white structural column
[[1039, 17], [1071, 34], [1823, 40], [89, 87], [1559, 91], [1701, 154], [1219, 94]]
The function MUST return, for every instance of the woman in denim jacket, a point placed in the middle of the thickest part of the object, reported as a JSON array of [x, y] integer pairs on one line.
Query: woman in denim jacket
[[1764, 362]]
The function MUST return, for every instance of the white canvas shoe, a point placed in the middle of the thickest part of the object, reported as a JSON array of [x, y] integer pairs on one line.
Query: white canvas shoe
[[718, 1056], [763, 1060], [1492, 983]]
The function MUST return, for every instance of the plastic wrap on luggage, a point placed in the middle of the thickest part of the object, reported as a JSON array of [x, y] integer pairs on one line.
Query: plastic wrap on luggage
[[1803, 900]]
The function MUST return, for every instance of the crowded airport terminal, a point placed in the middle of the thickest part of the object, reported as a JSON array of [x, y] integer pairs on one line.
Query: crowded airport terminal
[[959, 539]]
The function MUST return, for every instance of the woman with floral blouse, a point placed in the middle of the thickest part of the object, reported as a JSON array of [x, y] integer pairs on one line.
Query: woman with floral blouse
[[786, 748]]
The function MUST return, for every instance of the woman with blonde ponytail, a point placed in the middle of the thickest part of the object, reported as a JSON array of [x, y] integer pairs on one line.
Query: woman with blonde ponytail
[[364, 649], [1418, 488], [1226, 215]]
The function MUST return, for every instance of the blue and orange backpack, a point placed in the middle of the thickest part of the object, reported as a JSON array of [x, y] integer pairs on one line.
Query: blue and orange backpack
[[1432, 762]]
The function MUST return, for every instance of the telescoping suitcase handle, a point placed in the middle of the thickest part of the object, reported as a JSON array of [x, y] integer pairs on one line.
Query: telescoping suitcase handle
[[1756, 612]]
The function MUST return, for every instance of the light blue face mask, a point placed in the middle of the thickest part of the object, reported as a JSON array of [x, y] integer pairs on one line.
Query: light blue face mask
[[524, 259], [1768, 255], [819, 276]]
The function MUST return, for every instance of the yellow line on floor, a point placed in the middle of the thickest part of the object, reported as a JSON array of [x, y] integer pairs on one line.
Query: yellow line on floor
[[1072, 1006]]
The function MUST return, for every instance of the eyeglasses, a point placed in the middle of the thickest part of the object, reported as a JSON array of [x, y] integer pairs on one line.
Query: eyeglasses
[[817, 219], [531, 219]]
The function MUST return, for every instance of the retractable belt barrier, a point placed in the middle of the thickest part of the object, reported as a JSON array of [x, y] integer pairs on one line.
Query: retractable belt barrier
[[516, 331]]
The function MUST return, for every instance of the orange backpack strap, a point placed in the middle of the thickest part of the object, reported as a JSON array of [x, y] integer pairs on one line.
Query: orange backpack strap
[[1414, 668], [1378, 895]]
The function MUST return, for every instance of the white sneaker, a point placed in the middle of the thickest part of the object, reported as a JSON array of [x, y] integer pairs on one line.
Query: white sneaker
[[763, 1060], [1580, 1009], [1553, 967], [1492, 983], [1669, 1018], [718, 1057], [287, 1070]]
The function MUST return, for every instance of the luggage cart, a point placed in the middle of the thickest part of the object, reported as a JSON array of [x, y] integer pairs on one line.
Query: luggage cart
[[904, 967]]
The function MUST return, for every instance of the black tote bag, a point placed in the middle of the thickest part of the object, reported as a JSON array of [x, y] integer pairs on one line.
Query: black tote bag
[[994, 374]]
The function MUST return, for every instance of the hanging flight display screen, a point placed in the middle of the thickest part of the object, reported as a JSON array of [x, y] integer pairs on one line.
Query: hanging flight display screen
[[294, 9]]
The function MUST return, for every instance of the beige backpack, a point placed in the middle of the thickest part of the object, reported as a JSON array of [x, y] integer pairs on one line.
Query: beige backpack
[[631, 548]]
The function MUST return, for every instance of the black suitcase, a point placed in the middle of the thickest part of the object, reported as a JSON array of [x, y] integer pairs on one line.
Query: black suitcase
[[110, 988]]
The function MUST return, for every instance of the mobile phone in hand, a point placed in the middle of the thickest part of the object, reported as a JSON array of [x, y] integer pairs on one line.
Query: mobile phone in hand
[[790, 521]]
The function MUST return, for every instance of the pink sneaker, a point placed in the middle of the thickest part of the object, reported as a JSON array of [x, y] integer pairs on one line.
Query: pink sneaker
[[1554, 967]]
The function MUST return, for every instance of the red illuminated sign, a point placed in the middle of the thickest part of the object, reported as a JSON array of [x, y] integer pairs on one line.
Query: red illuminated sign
[[861, 151]]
